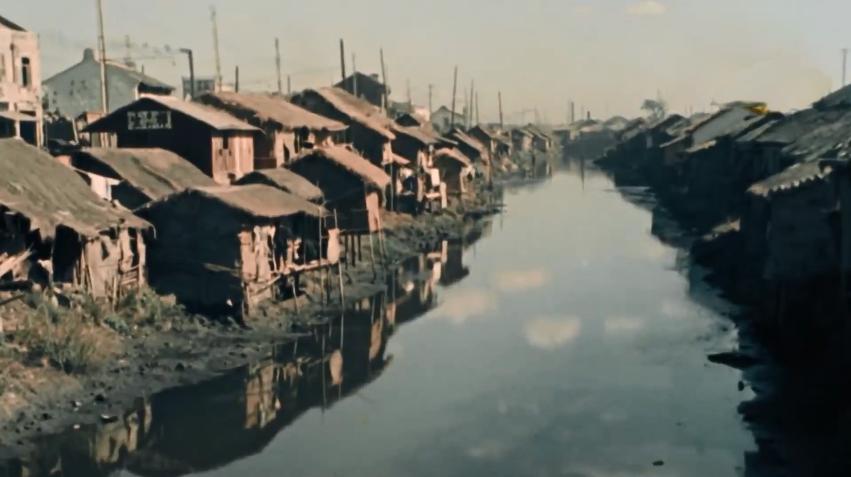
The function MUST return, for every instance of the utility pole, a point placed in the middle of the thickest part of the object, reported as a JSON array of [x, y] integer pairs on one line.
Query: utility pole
[[430, 90], [289, 86], [354, 75], [216, 48], [454, 93], [343, 61], [499, 96], [188, 53], [844, 65], [408, 93], [236, 80], [477, 108], [104, 87], [383, 78], [572, 112], [278, 64], [470, 113]]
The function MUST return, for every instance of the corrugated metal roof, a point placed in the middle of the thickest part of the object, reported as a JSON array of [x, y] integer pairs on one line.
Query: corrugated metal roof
[[50, 194], [270, 107], [791, 178]]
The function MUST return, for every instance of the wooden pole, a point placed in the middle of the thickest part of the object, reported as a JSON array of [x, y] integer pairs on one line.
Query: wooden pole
[[454, 93], [354, 75], [499, 96], [408, 91], [340, 272], [289, 86], [236, 79], [430, 89], [104, 89], [477, 108], [383, 77], [216, 48], [278, 65], [342, 59], [470, 112]]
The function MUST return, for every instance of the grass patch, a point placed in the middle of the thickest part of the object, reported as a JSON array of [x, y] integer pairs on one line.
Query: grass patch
[[70, 339]]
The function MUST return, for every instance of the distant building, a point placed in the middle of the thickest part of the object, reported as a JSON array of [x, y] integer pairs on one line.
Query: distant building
[[77, 90], [204, 85], [366, 87], [442, 119], [219, 144], [20, 83]]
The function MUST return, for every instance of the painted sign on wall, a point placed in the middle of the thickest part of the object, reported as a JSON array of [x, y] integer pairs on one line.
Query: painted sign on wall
[[147, 120]]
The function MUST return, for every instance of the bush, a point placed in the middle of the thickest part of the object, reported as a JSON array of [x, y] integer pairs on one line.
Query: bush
[[68, 339], [144, 307]]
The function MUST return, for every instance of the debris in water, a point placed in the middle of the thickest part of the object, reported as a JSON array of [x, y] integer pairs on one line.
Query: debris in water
[[734, 359]]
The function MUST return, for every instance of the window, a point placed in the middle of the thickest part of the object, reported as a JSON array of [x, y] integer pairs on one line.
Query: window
[[2, 67], [26, 73], [225, 141]]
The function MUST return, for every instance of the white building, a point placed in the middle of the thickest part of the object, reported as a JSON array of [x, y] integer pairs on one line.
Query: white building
[[20, 83]]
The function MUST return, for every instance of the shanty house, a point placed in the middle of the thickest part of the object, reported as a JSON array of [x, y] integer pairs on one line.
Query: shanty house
[[287, 181], [422, 184], [287, 129], [485, 137], [369, 128], [352, 186], [77, 89], [20, 83], [54, 225], [228, 248], [134, 177], [521, 139], [455, 169], [219, 144], [790, 231], [443, 121], [366, 87]]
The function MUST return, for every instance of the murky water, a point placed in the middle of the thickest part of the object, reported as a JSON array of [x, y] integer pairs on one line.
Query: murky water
[[566, 343]]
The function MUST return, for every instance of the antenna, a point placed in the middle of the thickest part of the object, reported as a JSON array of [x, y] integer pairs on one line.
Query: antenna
[[216, 48]]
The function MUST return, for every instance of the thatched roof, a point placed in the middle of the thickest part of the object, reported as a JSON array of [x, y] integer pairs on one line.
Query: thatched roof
[[350, 161], [212, 117], [454, 155], [285, 180], [154, 172], [257, 201], [467, 140], [271, 108], [356, 109], [49, 194], [419, 134]]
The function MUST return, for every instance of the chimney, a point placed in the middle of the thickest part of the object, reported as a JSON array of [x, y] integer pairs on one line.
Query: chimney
[[88, 54]]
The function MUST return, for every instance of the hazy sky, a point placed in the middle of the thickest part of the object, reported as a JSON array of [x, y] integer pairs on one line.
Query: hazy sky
[[607, 55]]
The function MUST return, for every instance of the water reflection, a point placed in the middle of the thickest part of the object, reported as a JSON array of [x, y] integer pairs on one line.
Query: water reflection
[[203, 427]]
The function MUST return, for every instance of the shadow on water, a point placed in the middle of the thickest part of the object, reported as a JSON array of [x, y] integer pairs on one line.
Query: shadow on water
[[800, 413], [207, 426]]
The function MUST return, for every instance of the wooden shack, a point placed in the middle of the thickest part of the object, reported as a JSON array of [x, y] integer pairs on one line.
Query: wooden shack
[[420, 184], [367, 87], [287, 181], [455, 168], [226, 249], [521, 139], [53, 228], [370, 130], [351, 185], [134, 177], [287, 129], [219, 144]]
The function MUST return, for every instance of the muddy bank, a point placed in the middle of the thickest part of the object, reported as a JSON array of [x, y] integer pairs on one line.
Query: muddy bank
[[39, 400]]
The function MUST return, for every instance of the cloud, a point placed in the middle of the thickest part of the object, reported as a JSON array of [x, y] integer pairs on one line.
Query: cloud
[[617, 325], [646, 8], [520, 280], [552, 333], [466, 305]]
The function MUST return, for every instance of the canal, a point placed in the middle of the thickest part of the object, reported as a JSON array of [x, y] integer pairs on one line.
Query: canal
[[565, 342]]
